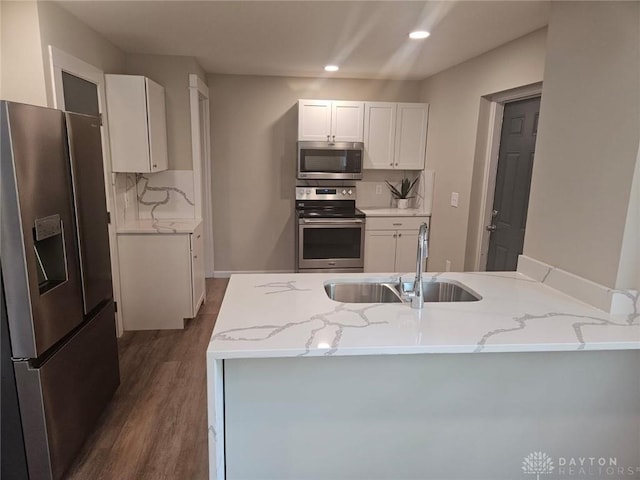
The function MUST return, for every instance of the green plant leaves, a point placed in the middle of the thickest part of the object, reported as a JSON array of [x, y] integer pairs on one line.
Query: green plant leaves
[[406, 186]]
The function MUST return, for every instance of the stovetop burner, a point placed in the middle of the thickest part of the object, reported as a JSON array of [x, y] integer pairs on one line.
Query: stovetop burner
[[327, 202]]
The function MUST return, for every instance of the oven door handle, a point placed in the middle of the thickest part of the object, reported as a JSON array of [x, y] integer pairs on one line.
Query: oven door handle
[[340, 221]]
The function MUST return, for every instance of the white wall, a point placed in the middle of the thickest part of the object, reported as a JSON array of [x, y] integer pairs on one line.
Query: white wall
[[65, 32], [629, 266], [172, 72], [22, 70], [455, 98], [588, 138], [254, 134]]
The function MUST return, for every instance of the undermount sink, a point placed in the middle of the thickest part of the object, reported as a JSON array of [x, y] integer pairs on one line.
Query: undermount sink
[[443, 291], [363, 292], [435, 290]]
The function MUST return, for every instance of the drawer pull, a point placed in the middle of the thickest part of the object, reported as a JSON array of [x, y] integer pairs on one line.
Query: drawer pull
[[195, 256], [397, 224], [198, 236]]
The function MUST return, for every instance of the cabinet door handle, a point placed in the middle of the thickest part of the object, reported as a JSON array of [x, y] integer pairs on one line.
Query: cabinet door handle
[[195, 256], [334, 138], [328, 137], [391, 164], [394, 235], [399, 235], [198, 236], [396, 164]]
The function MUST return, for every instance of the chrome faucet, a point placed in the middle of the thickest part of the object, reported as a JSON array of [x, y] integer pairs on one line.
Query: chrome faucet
[[417, 295]]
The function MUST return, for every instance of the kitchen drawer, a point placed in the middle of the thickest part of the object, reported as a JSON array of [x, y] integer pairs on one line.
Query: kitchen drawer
[[395, 223]]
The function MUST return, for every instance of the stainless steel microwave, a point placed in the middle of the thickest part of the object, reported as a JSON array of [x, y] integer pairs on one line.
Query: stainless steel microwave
[[330, 161]]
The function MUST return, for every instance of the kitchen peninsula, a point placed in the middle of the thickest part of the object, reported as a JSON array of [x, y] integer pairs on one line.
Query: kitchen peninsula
[[301, 386]]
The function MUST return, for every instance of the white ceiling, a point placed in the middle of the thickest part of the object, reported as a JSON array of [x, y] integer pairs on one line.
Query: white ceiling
[[368, 39]]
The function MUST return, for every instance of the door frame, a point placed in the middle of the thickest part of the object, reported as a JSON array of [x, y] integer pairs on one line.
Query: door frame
[[61, 61], [202, 176], [496, 112]]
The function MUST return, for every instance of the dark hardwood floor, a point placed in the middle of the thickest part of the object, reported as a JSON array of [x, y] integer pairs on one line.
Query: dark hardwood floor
[[155, 427]]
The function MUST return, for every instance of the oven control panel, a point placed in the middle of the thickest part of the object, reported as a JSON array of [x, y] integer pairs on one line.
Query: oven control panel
[[326, 193]]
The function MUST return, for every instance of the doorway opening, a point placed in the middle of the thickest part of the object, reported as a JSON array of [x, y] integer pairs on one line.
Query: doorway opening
[[513, 183], [201, 154], [504, 159]]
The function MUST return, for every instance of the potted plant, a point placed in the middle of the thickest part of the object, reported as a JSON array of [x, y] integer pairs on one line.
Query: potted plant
[[402, 194]]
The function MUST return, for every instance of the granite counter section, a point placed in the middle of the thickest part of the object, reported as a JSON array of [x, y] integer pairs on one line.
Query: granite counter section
[[161, 225], [395, 212], [285, 315]]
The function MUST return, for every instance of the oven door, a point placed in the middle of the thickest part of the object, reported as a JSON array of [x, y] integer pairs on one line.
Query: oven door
[[325, 243], [324, 161]]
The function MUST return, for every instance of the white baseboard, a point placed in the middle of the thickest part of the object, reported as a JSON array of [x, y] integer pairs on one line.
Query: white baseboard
[[610, 300], [228, 273]]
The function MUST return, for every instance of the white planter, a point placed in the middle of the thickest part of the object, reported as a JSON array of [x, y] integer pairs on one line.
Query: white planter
[[403, 203]]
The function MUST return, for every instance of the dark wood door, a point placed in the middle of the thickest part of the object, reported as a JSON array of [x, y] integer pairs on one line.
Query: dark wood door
[[513, 182]]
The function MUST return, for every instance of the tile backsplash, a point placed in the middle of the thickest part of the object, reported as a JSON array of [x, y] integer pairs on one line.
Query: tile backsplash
[[167, 194]]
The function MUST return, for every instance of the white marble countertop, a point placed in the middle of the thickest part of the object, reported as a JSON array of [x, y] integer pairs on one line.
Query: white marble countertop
[[284, 315], [161, 225], [394, 212]]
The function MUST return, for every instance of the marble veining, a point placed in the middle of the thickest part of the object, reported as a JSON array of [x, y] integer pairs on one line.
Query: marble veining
[[546, 275], [281, 315], [577, 326], [154, 204], [355, 318], [599, 296], [285, 286], [290, 315]]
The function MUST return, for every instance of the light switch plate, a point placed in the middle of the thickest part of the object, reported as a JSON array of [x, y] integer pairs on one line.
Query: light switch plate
[[454, 199]]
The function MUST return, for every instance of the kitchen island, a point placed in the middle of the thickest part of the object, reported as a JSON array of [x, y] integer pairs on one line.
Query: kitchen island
[[301, 386]]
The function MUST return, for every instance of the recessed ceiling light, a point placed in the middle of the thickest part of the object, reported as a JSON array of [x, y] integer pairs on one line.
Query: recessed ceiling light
[[332, 68], [419, 34]]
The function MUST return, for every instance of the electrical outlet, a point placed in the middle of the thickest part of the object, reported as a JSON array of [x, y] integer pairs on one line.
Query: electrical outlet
[[447, 266], [379, 189], [455, 196]]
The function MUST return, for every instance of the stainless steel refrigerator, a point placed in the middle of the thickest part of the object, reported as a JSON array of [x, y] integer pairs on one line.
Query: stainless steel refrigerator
[[58, 312]]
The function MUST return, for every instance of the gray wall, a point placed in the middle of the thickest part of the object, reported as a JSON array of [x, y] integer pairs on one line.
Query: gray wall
[[587, 140], [455, 99], [172, 72], [448, 416], [254, 132]]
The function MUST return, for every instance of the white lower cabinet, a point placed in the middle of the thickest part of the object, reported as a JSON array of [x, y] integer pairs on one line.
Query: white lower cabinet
[[390, 244], [162, 278]]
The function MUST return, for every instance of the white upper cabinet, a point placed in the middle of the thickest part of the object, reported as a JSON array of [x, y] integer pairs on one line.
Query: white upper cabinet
[[379, 134], [137, 124], [395, 135], [411, 135], [347, 121], [330, 121]]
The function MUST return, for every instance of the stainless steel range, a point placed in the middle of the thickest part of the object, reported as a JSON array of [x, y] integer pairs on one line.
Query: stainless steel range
[[330, 230]]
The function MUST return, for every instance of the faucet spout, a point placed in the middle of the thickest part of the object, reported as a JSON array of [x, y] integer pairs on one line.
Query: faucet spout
[[417, 296]]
